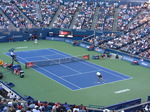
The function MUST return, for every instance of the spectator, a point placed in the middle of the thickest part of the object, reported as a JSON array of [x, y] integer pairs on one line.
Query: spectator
[[135, 63], [10, 40], [75, 43], [91, 47], [36, 39]]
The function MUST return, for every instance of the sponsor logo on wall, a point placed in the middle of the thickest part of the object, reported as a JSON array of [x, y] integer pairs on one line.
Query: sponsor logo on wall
[[17, 36], [1, 37]]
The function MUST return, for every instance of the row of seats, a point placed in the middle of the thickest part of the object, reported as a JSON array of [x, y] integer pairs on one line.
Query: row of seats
[[40, 14], [134, 42], [85, 17], [126, 13], [66, 15], [105, 16]]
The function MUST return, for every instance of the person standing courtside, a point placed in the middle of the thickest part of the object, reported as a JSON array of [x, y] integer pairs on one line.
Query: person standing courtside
[[36, 39], [10, 40], [99, 76], [14, 57]]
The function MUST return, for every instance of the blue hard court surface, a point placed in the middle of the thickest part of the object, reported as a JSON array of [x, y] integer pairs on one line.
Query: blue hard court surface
[[74, 75]]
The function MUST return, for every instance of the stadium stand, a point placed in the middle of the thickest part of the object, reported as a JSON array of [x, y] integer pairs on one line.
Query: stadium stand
[[126, 13], [105, 16], [65, 15], [85, 16], [48, 11], [131, 37], [4, 23]]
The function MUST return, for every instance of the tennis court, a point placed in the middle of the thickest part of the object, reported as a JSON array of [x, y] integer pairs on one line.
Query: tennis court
[[74, 75]]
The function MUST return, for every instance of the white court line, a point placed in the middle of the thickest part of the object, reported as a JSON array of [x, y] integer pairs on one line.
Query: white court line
[[77, 74], [97, 67], [70, 68], [52, 50], [54, 75], [59, 77], [42, 56], [103, 70], [65, 65], [102, 84], [94, 64]]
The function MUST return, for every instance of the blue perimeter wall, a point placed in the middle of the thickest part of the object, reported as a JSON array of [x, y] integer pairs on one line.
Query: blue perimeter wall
[[25, 34]]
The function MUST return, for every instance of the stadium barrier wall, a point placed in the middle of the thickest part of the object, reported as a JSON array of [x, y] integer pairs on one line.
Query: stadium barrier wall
[[25, 34], [130, 59], [136, 107], [148, 98], [19, 34], [124, 104]]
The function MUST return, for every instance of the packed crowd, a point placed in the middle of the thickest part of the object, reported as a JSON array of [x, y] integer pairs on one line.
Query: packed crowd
[[4, 23], [14, 15], [85, 17], [135, 42], [48, 11], [125, 14], [29, 9], [66, 15], [140, 43], [15, 105], [142, 18], [105, 16], [40, 13], [102, 38]]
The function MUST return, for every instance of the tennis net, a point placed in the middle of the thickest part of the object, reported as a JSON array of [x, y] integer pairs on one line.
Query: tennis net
[[50, 62]]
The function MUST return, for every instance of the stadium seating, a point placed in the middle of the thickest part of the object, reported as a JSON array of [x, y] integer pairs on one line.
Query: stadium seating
[[122, 26], [66, 15]]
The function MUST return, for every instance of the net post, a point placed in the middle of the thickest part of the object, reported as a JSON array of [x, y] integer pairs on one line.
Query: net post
[[25, 65], [88, 56]]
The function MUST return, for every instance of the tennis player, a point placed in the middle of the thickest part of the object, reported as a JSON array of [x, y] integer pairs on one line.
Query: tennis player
[[36, 40], [12, 54], [99, 75], [14, 57]]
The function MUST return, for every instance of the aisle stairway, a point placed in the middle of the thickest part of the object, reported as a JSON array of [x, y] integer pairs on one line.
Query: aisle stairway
[[38, 12], [115, 23], [95, 18], [74, 18], [56, 15]]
